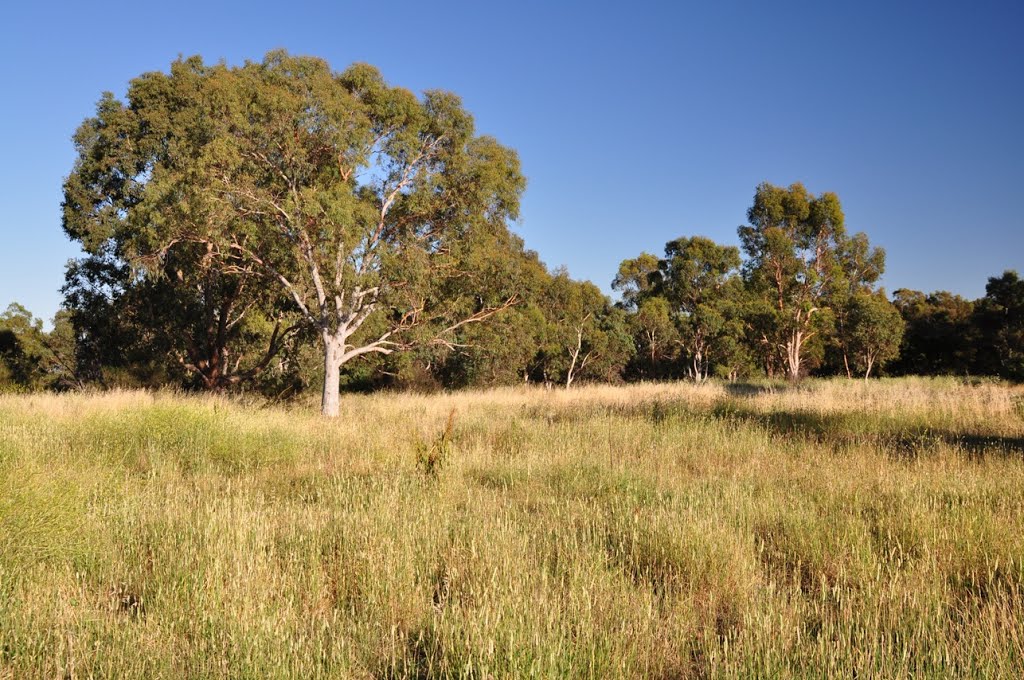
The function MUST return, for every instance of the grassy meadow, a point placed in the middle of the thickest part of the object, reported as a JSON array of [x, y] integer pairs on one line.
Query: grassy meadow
[[836, 528]]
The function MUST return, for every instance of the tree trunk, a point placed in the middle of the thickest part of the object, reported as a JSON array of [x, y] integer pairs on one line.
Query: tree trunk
[[575, 354], [698, 367], [331, 401], [793, 347]]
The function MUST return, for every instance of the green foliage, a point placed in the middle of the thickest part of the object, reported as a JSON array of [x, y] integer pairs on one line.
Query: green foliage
[[316, 198], [688, 310], [499, 352], [636, 279], [699, 280], [794, 244], [875, 330], [585, 336], [940, 337], [32, 359], [999, 317], [860, 267], [656, 338], [152, 301]]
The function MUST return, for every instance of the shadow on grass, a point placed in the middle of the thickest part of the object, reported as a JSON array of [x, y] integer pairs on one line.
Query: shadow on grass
[[905, 440], [901, 438], [747, 390], [423, 658]]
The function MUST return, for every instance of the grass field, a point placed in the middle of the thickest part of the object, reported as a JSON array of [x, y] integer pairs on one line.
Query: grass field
[[838, 528]]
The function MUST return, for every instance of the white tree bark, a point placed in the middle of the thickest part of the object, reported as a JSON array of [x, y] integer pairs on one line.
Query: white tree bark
[[794, 347], [331, 402], [870, 363], [574, 354]]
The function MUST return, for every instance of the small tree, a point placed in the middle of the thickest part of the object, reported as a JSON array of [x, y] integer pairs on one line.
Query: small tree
[[860, 267], [698, 279], [31, 358], [940, 336], [655, 336], [585, 335], [875, 331]]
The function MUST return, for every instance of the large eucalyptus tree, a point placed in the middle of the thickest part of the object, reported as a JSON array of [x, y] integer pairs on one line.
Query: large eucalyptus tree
[[347, 196]]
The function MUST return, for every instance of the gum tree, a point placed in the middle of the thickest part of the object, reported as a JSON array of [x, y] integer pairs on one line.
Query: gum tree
[[689, 297], [347, 196], [793, 244], [860, 267], [874, 331], [698, 278]]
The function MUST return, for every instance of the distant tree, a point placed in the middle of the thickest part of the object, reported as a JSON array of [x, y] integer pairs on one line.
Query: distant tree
[[999, 317], [860, 267], [874, 330], [501, 351], [636, 279], [336, 191], [31, 358], [734, 359], [21, 348], [699, 280], [794, 242], [61, 345], [586, 336], [655, 337], [940, 337]]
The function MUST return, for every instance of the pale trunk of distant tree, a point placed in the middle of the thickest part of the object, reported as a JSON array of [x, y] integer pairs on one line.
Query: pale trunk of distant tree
[[698, 370], [795, 343], [870, 357], [794, 346], [574, 354], [843, 347]]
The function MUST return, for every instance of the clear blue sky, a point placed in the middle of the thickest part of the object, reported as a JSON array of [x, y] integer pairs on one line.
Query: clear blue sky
[[636, 122]]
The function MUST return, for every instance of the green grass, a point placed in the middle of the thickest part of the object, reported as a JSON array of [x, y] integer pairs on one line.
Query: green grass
[[669, 531]]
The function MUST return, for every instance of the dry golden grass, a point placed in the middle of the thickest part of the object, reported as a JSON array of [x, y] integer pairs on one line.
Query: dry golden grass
[[833, 529]]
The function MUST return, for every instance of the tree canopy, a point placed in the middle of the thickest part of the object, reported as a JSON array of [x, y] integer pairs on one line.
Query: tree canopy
[[799, 259], [348, 197]]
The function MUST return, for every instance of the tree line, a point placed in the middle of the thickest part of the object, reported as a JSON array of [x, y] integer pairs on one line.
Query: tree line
[[283, 227]]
